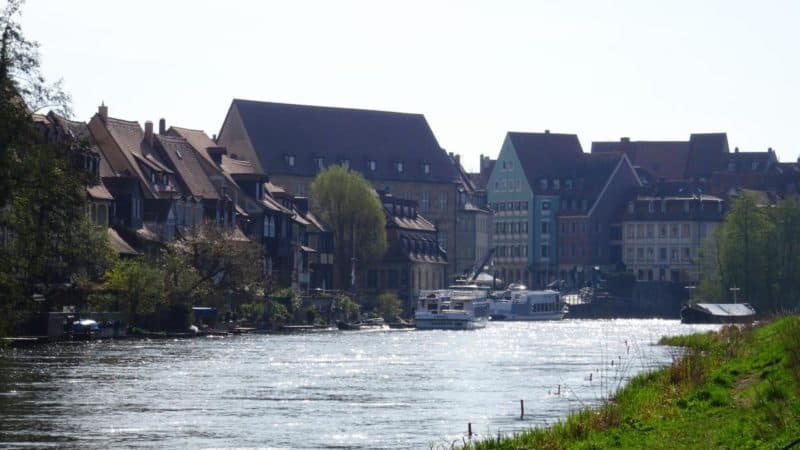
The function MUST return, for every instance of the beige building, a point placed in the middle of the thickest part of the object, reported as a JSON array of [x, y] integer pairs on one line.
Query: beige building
[[662, 235]]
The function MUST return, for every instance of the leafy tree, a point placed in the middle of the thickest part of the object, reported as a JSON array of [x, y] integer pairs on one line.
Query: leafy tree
[[346, 201], [389, 306], [138, 285], [745, 239], [221, 261]]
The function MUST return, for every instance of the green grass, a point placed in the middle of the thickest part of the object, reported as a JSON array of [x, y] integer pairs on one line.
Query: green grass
[[737, 388]]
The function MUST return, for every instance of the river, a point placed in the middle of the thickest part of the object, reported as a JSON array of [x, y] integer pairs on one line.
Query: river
[[357, 389]]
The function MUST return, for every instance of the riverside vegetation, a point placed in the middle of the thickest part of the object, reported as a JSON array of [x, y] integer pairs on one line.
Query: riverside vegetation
[[736, 388]]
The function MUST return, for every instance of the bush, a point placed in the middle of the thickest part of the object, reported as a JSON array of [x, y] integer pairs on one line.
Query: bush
[[389, 306]]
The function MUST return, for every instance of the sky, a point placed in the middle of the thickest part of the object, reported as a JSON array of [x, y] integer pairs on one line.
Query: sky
[[648, 70]]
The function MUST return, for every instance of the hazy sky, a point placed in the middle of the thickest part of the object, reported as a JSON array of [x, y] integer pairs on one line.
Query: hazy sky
[[645, 69]]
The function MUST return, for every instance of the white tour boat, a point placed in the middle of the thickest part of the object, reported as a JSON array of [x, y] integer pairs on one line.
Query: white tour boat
[[458, 308], [519, 303]]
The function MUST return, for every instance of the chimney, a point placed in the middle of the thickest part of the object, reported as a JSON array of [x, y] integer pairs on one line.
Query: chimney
[[216, 154], [102, 111], [214, 137], [736, 150], [458, 158], [546, 131], [148, 133], [162, 126], [625, 140]]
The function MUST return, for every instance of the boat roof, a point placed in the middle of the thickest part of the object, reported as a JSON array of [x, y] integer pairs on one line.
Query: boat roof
[[726, 309]]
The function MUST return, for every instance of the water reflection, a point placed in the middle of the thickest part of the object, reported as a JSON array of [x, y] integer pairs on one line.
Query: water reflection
[[392, 389]]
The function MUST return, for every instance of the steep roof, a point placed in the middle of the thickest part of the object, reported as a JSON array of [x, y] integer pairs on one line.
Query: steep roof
[[698, 157], [545, 154], [662, 159], [277, 130], [184, 159]]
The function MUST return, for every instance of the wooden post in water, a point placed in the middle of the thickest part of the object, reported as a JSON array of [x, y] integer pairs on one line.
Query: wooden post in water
[[521, 409], [469, 429]]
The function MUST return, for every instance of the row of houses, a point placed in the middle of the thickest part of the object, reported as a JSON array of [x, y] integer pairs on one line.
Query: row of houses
[[544, 209], [153, 185], [639, 206]]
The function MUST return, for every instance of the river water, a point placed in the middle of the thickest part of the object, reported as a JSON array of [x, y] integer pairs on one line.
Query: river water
[[357, 389]]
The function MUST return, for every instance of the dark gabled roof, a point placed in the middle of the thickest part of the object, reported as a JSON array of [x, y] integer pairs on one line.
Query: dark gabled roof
[[184, 160], [706, 154], [591, 173], [335, 134], [545, 154], [661, 159], [698, 157]]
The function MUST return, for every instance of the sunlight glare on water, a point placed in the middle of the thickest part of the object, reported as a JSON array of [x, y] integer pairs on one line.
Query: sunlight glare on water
[[385, 389]]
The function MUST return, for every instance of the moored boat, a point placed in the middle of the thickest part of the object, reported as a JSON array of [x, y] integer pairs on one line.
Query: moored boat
[[519, 303], [718, 313], [451, 309]]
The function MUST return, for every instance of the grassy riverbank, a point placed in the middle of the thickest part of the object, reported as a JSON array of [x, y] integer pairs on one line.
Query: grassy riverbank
[[738, 388]]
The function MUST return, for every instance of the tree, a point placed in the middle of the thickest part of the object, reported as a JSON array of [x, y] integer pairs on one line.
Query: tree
[[221, 259], [745, 249], [138, 285], [23, 89], [389, 306], [345, 201]]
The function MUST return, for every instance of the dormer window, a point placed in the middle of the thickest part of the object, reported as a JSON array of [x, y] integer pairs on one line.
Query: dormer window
[[289, 160], [543, 184], [568, 184], [631, 207], [346, 163], [426, 167], [372, 165], [651, 207], [556, 184], [152, 177], [399, 166], [319, 163], [731, 165], [755, 165]]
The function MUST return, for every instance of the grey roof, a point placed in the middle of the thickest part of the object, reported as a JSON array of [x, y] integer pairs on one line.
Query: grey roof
[[277, 130]]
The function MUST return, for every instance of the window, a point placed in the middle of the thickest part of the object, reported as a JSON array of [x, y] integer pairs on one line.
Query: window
[[629, 254], [674, 254], [443, 201], [662, 254], [372, 165], [289, 160], [525, 206], [673, 230], [640, 231], [687, 254], [514, 227], [346, 163], [556, 184], [686, 206], [631, 207], [545, 206], [425, 202], [568, 184], [650, 231], [545, 251], [543, 184], [319, 163], [662, 231], [630, 231], [523, 227], [650, 253], [399, 166], [545, 227], [426, 168], [685, 230], [651, 207], [640, 253]]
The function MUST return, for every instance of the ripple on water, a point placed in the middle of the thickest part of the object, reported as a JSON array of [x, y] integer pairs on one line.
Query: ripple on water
[[323, 390]]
